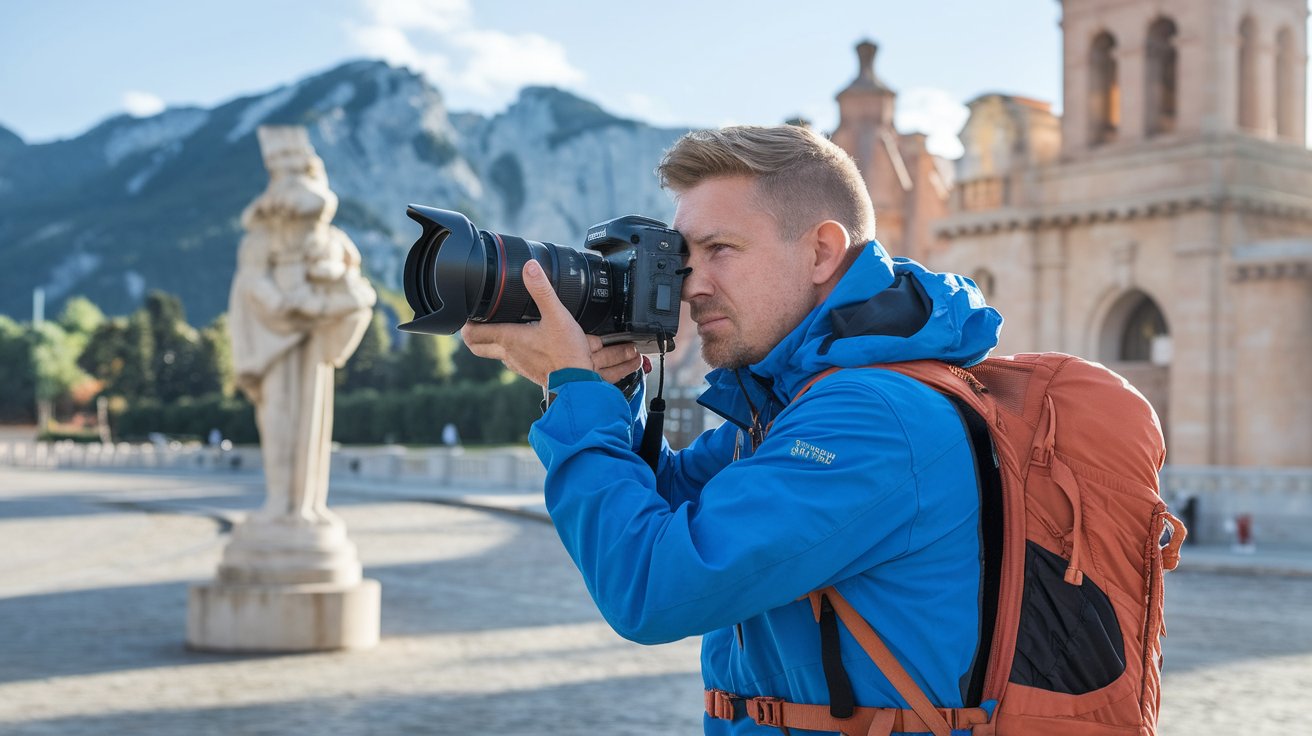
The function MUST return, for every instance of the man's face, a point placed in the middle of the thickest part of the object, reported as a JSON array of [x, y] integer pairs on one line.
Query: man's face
[[748, 287]]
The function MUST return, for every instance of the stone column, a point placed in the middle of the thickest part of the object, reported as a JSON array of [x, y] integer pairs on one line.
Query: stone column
[[290, 579], [1273, 342]]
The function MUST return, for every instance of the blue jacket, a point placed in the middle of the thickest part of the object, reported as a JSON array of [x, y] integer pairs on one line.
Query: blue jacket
[[866, 483]]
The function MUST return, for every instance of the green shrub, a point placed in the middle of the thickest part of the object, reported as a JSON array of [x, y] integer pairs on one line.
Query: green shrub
[[484, 413], [76, 435]]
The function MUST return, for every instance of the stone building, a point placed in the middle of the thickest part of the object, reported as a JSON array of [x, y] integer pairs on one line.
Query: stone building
[[1162, 225], [906, 186]]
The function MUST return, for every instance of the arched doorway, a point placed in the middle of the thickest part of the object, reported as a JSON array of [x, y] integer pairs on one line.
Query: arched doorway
[[1135, 341]]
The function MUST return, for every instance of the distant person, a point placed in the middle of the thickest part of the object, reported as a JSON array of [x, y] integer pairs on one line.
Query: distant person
[[450, 435]]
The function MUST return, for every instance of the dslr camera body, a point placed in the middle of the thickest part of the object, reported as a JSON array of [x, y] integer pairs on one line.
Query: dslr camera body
[[628, 290]]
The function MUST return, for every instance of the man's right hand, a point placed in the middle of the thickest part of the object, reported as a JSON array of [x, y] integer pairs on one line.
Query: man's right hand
[[536, 349]]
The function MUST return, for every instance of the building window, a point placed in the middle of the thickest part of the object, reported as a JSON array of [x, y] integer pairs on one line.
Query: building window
[[1286, 94], [1247, 93], [1162, 62], [983, 279], [1104, 90]]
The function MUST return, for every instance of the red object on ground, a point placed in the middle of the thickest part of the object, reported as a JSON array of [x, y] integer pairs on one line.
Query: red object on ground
[[1244, 529]]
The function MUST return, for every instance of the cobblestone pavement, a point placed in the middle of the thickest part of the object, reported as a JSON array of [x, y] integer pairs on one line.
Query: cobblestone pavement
[[486, 628], [1238, 654]]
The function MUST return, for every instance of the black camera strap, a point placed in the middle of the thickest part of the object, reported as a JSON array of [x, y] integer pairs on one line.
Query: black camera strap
[[653, 433]]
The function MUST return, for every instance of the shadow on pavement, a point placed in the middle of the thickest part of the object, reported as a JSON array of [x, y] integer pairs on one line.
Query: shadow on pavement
[[615, 706], [524, 582]]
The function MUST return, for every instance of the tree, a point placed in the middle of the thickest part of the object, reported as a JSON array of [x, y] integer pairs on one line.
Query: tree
[[54, 364], [17, 400], [103, 355], [81, 317], [177, 359], [154, 353], [470, 367], [214, 371], [136, 374], [424, 361], [370, 366]]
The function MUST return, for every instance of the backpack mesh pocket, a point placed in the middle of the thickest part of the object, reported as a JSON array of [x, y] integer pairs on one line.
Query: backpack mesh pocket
[[1069, 640]]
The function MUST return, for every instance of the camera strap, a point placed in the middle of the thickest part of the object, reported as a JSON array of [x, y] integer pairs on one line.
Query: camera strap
[[654, 431]]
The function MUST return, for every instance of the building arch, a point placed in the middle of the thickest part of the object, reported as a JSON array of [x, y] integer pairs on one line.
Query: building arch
[[986, 282], [1134, 339], [1161, 85], [1132, 328], [1246, 95], [1104, 90]]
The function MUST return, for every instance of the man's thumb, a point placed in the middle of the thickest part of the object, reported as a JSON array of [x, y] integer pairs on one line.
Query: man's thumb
[[535, 280], [539, 287]]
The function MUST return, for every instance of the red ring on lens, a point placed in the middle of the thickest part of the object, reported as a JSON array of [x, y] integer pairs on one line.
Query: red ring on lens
[[501, 277]]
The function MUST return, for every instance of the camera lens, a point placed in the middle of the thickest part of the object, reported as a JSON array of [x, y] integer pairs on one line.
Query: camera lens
[[456, 273]]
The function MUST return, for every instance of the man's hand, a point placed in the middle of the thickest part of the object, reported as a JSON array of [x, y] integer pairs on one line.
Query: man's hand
[[536, 349]]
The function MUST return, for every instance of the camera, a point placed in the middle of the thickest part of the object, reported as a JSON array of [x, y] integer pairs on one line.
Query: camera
[[628, 290]]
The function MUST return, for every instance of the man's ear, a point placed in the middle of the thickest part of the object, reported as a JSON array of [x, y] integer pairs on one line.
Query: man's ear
[[830, 241]]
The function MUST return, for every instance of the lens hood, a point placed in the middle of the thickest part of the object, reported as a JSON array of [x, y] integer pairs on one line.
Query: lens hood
[[444, 272]]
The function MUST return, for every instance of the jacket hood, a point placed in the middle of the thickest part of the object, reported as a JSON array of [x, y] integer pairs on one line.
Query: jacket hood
[[883, 310]]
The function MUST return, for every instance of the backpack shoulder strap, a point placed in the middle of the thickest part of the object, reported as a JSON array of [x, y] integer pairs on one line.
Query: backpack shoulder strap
[[886, 661]]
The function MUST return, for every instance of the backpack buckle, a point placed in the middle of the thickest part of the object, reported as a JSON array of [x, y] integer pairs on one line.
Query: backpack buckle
[[766, 711], [719, 704]]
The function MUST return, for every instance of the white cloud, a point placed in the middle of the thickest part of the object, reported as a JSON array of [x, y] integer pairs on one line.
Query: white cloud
[[438, 16], [935, 113], [142, 104], [499, 61], [471, 65], [393, 46], [644, 107]]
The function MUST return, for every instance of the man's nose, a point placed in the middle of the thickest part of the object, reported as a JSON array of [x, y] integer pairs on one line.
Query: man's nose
[[695, 282]]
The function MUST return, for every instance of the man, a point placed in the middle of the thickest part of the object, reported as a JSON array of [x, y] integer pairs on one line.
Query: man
[[866, 483]]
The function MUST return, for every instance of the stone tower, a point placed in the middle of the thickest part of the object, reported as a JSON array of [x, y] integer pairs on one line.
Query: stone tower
[[1166, 229], [905, 185]]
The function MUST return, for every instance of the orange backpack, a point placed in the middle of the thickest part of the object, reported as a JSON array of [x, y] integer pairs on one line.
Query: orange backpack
[[1076, 539]]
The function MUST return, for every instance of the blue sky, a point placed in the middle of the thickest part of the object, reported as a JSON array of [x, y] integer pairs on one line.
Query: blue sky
[[70, 63]]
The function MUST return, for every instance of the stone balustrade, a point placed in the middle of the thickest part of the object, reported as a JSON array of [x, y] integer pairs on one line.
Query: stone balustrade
[[1278, 500], [508, 468]]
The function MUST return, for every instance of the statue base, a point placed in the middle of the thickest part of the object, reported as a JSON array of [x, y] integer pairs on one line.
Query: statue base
[[307, 617]]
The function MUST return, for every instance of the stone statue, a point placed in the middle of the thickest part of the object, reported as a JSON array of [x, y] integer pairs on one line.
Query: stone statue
[[298, 308], [290, 580]]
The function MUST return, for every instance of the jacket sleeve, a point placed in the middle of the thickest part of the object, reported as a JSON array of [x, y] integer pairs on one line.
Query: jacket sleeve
[[830, 492], [681, 474]]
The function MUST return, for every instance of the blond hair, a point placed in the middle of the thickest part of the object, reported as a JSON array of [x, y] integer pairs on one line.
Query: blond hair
[[802, 178]]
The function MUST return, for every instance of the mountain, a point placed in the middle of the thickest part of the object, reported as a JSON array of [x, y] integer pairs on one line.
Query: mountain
[[9, 139], [154, 203]]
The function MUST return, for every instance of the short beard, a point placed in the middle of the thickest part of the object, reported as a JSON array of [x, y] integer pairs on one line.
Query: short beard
[[728, 356]]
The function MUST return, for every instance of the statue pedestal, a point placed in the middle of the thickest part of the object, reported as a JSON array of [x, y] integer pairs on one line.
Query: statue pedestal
[[286, 584], [282, 618]]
